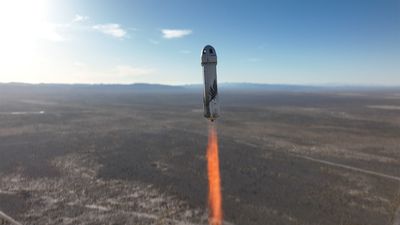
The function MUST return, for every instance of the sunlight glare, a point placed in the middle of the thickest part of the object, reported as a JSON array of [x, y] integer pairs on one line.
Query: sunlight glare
[[22, 23]]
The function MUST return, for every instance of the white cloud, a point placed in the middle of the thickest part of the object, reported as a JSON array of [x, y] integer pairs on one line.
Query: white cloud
[[112, 29], [175, 33], [127, 70], [80, 18]]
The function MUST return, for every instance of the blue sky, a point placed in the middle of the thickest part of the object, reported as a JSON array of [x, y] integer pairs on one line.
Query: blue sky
[[281, 41]]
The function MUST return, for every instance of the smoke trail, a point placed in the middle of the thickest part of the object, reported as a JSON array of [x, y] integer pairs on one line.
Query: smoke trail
[[214, 180]]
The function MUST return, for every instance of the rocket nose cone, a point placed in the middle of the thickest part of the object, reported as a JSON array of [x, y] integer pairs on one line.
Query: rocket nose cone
[[208, 54], [208, 50]]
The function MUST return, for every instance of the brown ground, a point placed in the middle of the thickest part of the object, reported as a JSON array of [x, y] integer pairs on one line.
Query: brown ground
[[92, 157]]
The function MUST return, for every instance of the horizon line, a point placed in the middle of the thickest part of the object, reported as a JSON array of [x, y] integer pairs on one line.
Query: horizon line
[[221, 83]]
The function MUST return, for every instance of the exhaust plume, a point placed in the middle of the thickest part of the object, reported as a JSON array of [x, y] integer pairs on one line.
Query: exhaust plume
[[214, 179]]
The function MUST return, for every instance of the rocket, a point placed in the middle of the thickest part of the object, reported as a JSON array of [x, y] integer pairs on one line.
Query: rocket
[[210, 97]]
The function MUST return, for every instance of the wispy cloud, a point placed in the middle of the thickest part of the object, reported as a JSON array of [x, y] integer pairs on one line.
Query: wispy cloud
[[127, 70], [80, 18], [175, 33], [58, 32], [112, 29]]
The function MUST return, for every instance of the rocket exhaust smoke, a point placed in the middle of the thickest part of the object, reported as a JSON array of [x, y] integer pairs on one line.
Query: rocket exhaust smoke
[[214, 179]]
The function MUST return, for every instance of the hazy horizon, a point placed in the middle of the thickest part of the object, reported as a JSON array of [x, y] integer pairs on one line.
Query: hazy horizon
[[322, 85]]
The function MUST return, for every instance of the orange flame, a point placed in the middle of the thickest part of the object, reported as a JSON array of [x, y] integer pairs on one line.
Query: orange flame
[[214, 180]]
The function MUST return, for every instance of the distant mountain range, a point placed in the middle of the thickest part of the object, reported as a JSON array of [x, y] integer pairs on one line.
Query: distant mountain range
[[146, 87], [138, 87]]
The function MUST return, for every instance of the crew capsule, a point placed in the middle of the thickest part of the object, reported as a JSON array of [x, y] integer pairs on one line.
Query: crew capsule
[[210, 96]]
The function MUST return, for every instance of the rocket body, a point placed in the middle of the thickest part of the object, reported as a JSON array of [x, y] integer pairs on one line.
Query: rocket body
[[210, 96]]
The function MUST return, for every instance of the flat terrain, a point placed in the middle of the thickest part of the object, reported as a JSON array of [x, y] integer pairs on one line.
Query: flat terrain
[[89, 156]]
